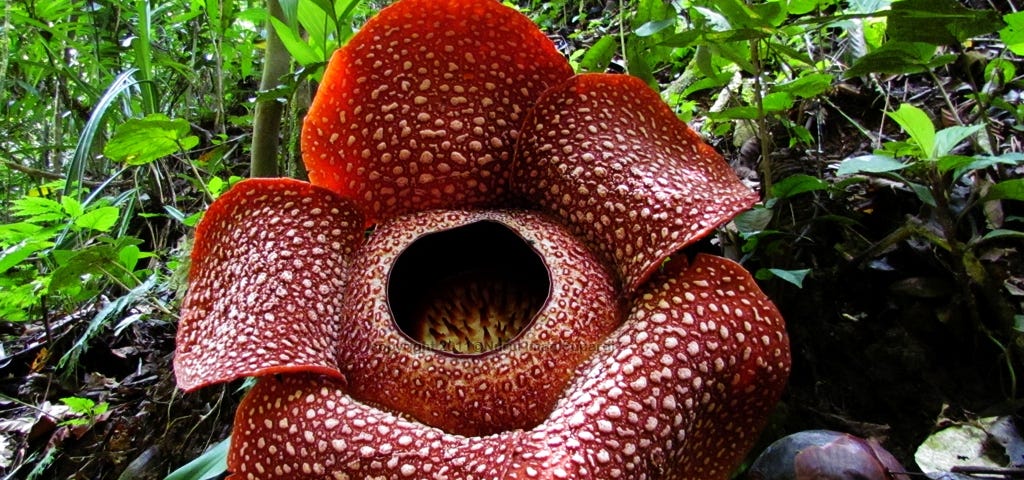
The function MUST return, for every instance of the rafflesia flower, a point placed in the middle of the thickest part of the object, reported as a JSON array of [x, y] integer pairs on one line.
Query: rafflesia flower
[[512, 312]]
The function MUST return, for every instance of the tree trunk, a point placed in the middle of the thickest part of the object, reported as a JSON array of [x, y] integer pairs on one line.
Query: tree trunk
[[267, 117]]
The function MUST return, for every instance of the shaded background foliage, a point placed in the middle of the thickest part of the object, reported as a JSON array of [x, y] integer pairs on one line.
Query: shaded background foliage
[[889, 238]]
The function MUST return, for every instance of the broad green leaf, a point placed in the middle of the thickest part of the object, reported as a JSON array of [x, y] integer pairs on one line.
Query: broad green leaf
[[208, 465], [1000, 70], [129, 257], [948, 138], [739, 14], [753, 220], [20, 251], [918, 125], [651, 28], [735, 113], [301, 51], [869, 164], [807, 86], [73, 265], [648, 11], [141, 141], [1013, 158], [717, 21], [1007, 190], [72, 207], [100, 219], [599, 55], [738, 53], [216, 186], [895, 58], [796, 277], [772, 12], [1013, 34], [939, 22], [800, 7], [777, 102], [954, 162], [79, 405], [797, 184], [638, 61], [922, 192]]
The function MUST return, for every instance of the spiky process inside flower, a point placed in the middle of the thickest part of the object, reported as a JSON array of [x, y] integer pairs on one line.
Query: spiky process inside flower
[[518, 307]]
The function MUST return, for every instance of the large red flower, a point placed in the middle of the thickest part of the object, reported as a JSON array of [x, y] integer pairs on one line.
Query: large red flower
[[512, 312]]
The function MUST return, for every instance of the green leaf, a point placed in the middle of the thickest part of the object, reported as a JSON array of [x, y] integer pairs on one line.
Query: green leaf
[[939, 22], [599, 55], [216, 186], [1006, 190], [72, 207], [954, 162], [800, 7], [895, 58], [129, 256], [948, 138], [807, 86], [1013, 34], [74, 265], [735, 113], [869, 164], [79, 405], [1003, 233], [301, 51], [797, 184], [777, 102], [38, 209], [1012, 158], [208, 465], [753, 220], [20, 251], [918, 125], [314, 19], [140, 141], [651, 28], [100, 219], [922, 192], [796, 277]]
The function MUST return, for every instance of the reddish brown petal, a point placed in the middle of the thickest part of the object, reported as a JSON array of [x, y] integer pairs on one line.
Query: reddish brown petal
[[421, 108], [606, 155], [682, 389], [513, 387], [265, 283], [305, 427]]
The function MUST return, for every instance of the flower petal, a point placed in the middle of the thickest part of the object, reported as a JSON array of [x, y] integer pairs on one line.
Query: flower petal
[[265, 283], [514, 386], [605, 154], [305, 427], [688, 381], [421, 108]]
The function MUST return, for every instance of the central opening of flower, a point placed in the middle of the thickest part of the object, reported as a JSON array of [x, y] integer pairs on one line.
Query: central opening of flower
[[468, 290]]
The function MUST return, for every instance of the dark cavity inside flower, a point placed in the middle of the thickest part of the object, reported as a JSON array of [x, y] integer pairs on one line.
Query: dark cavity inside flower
[[468, 290], [520, 308]]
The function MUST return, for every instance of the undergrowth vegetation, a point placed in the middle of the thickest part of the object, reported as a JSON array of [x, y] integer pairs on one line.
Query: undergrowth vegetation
[[884, 136]]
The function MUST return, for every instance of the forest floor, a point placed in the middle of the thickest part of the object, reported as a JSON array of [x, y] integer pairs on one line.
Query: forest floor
[[886, 343]]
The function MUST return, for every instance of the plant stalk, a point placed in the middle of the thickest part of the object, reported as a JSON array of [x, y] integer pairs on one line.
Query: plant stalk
[[267, 117]]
